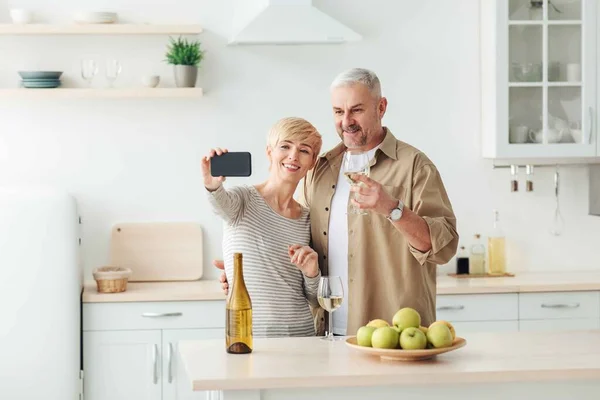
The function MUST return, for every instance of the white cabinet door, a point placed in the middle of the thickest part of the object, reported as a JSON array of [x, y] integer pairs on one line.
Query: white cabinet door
[[122, 365], [559, 324], [539, 85], [176, 383]]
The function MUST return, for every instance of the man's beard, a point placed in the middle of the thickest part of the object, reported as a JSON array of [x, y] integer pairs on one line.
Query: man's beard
[[356, 141]]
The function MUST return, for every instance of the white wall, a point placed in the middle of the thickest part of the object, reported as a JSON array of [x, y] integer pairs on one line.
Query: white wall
[[138, 160]]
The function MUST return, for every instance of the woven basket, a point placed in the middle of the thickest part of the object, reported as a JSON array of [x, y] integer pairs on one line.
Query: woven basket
[[111, 279]]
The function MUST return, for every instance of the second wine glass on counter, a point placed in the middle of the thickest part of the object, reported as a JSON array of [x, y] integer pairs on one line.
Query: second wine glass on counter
[[330, 295]]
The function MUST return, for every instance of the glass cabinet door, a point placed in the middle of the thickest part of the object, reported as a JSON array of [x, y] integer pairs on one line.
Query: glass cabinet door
[[551, 77]]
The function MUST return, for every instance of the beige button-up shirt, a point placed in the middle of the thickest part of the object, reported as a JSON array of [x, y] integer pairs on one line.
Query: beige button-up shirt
[[385, 273]]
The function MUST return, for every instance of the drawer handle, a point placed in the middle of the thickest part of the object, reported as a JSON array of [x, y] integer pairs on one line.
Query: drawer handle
[[450, 308], [559, 305], [161, 315]]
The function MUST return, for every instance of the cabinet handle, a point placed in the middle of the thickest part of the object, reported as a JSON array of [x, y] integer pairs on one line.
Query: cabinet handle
[[161, 315], [170, 362], [559, 305], [450, 308], [591, 124], [155, 366]]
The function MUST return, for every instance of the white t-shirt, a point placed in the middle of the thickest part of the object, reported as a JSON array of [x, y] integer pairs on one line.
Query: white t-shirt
[[338, 243]]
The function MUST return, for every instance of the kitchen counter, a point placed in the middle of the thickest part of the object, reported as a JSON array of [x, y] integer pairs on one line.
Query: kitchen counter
[[211, 289], [545, 364], [157, 291], [522, 282]]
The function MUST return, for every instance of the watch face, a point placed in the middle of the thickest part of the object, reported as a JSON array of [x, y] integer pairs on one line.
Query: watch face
[[396, 213]]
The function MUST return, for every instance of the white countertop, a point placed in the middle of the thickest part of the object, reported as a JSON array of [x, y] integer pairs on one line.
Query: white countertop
[[211, 289], [312, 362]]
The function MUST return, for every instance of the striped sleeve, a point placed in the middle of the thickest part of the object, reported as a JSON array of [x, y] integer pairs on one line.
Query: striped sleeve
[[311, 286], [228, 204]]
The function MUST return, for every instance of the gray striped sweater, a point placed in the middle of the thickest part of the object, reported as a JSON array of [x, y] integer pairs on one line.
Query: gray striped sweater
[[279, 291]]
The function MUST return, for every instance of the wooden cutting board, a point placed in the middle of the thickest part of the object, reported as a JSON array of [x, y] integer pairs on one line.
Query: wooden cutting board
[[158, 251]]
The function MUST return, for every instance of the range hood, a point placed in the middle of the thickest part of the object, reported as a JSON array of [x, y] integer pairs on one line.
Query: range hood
[[286, 22]]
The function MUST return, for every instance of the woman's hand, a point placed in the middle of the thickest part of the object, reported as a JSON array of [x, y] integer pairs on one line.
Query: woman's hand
[[305, 258], [212, 183]]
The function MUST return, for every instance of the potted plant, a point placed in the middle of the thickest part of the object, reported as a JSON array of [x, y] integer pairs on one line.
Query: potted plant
[[185, 57]]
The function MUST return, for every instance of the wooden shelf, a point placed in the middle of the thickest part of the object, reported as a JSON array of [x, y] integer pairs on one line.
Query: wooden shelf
[[99, 29], [115, 93]]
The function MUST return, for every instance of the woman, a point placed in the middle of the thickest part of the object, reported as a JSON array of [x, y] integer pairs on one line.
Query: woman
[[272, 231]]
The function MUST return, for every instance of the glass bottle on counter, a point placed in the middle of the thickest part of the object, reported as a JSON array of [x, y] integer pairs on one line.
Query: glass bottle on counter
[[238, 325], [496, 249], [462, 261], [477, 257]]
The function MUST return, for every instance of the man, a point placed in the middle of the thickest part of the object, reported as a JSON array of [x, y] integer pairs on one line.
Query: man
[[387, 259]]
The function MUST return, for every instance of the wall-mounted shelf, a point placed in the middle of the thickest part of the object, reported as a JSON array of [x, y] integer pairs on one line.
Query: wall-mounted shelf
[[114, 93], [98, 29]]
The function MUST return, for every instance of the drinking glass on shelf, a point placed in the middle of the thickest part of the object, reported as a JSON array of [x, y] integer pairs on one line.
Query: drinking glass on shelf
[[89, 69], [113, 69], [356, 162], [330, 295]]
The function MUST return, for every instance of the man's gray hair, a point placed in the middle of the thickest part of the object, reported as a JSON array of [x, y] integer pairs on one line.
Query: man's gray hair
[[359, 75]]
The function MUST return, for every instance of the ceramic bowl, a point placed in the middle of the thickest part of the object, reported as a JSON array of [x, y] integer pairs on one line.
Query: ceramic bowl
[[151, 81], [21, 16]]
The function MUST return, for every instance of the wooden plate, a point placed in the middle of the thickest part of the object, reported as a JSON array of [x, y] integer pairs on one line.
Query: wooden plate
[[404, 355]]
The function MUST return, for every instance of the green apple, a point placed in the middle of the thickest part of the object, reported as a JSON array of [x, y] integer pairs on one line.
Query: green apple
[[439, 335], [413, 339], [364, 334], [406, 318], [385, 338]]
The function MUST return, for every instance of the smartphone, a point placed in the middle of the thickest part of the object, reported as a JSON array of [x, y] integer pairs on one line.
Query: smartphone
[[231, 164]]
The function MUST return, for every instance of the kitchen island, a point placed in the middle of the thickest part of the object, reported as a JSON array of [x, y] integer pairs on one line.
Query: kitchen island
[[513, 365]]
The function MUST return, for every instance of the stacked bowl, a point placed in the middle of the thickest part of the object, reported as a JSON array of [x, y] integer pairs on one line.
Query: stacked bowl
[[40, 79]]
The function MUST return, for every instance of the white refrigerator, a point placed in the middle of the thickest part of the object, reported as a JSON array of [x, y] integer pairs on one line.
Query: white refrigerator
[[40, 295]]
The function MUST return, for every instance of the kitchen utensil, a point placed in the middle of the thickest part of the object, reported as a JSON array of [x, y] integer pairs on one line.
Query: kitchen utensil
[[158, 251], [151, 81], [113, 69], [89, 69], [94, 17], [21, 16], [574, 72], [111, 279], [40, 74], [558, 221], [404, 355], [554, 135], [527, 72]]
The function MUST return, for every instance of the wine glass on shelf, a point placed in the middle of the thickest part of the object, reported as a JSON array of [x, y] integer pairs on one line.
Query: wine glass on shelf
[[330, 295], [356, 162], [89, 69], [113, 69]]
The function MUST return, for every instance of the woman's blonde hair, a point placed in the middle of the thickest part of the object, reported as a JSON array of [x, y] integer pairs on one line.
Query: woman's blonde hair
[[295, 129]]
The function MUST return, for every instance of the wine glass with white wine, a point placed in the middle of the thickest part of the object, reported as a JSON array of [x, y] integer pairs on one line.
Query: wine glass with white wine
[[330, 295], [356, 162]]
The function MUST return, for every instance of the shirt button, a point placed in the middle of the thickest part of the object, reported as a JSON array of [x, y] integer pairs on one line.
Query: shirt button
[[351, 255], [324, 257], [351, 231], [325, 233], [326, 208], [333, 186]]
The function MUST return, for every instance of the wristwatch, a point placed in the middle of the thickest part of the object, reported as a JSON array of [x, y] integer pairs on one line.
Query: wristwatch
[[396, 212]]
